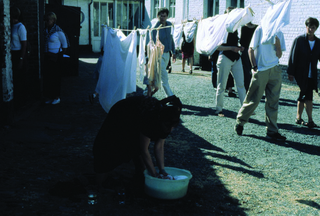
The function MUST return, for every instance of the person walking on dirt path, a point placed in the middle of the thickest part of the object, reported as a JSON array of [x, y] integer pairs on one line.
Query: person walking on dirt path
[[302, 65], [266, 77]]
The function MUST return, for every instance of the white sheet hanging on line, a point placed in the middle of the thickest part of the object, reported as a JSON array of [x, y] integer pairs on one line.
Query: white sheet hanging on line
[[189, 31], [239, 17], [118, 69], [211, 33], [177, 36], [103, 36], [276, 17], [142, 51]]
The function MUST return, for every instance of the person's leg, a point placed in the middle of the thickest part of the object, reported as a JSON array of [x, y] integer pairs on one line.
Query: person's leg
[[273, 89], [183, 64], [300, 108], [164, 74], [309, 105], [246, 68], [254, 95], [237, 72], [223, 65], [191, 64]]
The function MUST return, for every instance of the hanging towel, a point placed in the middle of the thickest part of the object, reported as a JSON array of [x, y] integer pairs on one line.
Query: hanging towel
[[189, 31], [238, 17], [177, 36], [142, 51], [118, 69], [211, 33], [276, 17]]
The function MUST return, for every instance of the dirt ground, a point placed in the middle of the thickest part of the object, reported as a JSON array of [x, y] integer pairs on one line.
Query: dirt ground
[[46, 158]]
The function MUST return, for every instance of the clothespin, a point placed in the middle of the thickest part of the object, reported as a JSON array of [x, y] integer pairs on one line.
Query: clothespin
[[134, 28]]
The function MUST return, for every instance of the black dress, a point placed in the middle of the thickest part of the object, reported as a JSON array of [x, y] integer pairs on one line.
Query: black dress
[[117, 141]]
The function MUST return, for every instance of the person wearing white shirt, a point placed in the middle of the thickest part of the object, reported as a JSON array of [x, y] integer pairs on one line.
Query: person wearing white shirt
[[55, 46], [266, 78], [18, 54]]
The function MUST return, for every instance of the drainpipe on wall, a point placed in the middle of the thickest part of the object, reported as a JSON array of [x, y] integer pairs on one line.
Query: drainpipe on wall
[[89, 7]]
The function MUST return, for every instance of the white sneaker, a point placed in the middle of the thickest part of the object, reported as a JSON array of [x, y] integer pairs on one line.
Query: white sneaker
[[56, 101]]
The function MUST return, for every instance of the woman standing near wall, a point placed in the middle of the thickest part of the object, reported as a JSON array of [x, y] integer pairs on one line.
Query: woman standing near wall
[[18, 54], [55, 46]]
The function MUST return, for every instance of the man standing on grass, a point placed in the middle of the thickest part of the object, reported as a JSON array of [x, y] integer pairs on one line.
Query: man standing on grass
[[266, 77]]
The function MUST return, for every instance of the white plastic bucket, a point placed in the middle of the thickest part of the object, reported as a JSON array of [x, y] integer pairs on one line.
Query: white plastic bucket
[[167, 189]]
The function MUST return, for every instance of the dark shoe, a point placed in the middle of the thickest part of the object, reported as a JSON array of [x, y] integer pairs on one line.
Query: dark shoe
[[238, 128], [301, 122], [231, 94], [169, 71], [311, 125], [183, 70], [190, 72], [276, 136]]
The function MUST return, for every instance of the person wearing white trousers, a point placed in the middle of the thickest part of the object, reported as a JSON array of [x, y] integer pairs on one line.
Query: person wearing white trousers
[[164, 74], [225, 65]]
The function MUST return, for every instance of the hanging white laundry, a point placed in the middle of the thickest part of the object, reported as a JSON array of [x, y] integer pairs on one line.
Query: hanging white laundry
[[154, 22], [189, 31], [276, 17], [177, 36], [103, 36], [142, 50], [239, 17], [211, 33], [118, 69]]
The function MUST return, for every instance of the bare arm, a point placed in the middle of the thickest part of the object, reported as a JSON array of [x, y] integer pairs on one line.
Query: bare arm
[[146, 157], [159, 155], [278, 47], [230, 48], [252, 57]]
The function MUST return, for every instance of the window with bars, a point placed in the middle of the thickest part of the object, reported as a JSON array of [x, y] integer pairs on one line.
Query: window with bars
[[213, 7], [170, 4]]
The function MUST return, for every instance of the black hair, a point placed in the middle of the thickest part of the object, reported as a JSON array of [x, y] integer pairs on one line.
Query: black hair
[[15, 13], [163, 10], [312, 22], [171, 110]]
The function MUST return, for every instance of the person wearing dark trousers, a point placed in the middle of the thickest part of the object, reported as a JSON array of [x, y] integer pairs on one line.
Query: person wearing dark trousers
[[18, 55], [302, 66], [55, 46], [246, 35]]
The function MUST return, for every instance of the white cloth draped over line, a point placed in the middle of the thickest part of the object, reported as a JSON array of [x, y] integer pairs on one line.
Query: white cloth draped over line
[[189, 30], [142, 50], [177, 36], [238, 17], [276, 17], [118, 69], [211, 33]]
